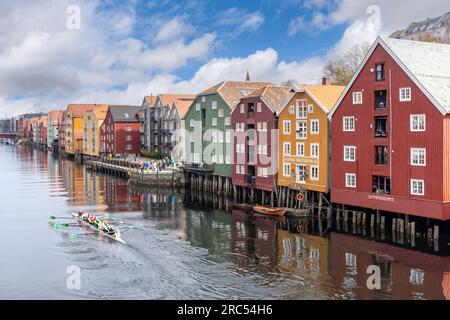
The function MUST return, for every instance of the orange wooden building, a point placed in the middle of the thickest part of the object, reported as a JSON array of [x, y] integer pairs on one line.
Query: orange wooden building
[[304, 138]]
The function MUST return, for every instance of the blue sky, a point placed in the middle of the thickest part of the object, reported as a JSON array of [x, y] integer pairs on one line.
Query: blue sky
[[124, 50]]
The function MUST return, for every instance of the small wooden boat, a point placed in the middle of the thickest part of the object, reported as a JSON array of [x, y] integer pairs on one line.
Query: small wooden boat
[[240, 206], [269, 211]]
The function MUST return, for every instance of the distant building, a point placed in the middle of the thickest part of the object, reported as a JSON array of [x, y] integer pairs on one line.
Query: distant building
[[435, 29], [93, 119], [157, 136], [54, 119], [74, 127], [5, 125], [120, 132]]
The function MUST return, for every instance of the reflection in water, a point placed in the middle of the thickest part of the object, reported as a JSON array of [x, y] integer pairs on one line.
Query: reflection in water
[[184, 246]]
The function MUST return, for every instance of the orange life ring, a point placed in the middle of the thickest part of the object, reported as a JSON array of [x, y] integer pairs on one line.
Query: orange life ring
[[301, 228], [300, 197]]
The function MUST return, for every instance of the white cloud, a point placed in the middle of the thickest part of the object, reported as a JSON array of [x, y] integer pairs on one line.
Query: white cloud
[[45, 65], [241, 20], [174, 29], [296, 25]]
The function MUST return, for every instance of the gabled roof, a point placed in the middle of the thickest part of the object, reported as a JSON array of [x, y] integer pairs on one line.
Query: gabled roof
[[325, 96], [150, 100], [55, 117], [273, 96], [182, 106], [124, 113], [232, 91], [78, 110], [427, 64], [168, 99], [100, 112]]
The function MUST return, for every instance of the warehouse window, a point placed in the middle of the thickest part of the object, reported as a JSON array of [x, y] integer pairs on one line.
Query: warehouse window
[[417, 187]]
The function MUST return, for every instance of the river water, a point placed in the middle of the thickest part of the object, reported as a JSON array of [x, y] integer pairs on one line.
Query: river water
[[181, 247]]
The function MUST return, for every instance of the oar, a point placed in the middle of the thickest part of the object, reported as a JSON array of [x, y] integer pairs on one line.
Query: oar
[[55, 217]]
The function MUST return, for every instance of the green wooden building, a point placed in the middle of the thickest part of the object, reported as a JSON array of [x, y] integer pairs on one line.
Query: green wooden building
[[208, 125]]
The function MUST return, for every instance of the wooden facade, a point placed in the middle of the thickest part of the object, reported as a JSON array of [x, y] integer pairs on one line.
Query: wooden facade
[[303, 132], [254, 122], [385, 157]]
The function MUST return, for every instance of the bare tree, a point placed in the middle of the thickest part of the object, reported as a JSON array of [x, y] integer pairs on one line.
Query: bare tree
[[341, 69]]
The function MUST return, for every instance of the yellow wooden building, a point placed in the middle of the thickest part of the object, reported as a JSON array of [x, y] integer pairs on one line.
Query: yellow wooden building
[[92, 121], [74, 127], [303, 138]]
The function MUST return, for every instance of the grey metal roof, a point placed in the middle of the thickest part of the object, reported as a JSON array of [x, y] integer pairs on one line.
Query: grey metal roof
[[429, 63], [124, 113]]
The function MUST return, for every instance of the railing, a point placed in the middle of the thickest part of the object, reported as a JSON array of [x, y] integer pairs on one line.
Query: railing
[[203, 167], [250, 179]]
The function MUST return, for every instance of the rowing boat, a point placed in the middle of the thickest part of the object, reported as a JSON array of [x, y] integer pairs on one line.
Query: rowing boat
[[278, 212], [115, 237]]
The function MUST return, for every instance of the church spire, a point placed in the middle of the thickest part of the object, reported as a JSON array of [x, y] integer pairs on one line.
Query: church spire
[[247, 77]]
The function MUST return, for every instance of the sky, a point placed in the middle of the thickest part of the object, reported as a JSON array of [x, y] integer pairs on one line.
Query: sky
[[56, 52]]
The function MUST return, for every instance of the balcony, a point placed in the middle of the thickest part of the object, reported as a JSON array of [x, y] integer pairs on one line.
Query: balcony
[[381, 155], [250, 179], [381, 185], [381, 127], [380, 100], [198, 167]]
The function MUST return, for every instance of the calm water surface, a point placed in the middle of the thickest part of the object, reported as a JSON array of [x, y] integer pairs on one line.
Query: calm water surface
[[183, 249]]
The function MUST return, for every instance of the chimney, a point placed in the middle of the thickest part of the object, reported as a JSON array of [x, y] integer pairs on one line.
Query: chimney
[[326, 81]]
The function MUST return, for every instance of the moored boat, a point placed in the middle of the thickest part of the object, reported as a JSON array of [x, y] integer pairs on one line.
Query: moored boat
[[269, 211], [240, 206]]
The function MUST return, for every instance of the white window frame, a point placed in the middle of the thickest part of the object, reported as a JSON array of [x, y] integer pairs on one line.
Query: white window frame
[[214, 105], [347, 176], [227, 159], [415, 155], [227, 121], [310, 108], [286, 166], [351, 120], [227, 136], [285, 144], [198, 106], [405, 94], [291, 109], [312, 169], [241, 108], [357, 97], [312, 122], [300, 146], [413, 187], [416, 118], [214, 122], [220, 113], [297, 175], [303, 135], [129, 147], [259, 107], [349, 159], [286, 124], [302, 109], [313, 146]]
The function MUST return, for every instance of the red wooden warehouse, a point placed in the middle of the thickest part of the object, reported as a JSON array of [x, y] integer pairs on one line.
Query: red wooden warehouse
[[120, 130], [255, 148], [391, 131]]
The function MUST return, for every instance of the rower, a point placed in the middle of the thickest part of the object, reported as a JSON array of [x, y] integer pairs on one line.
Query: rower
[[91, 219], [85, 216], [97, 222]]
